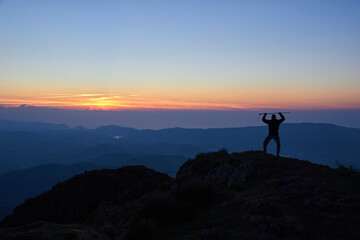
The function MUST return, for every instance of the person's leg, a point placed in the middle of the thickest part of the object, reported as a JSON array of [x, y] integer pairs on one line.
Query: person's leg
[[277, 140], [266, 141]]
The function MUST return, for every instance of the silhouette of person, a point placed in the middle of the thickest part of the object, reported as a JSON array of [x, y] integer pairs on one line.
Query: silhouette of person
[[273, 131]]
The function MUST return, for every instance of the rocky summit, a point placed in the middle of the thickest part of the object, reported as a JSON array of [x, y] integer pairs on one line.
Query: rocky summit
[[214, 196]]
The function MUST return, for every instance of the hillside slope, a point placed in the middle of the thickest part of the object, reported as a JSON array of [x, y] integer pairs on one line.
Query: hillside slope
[[74, 200], [214, 196], [16, 186]]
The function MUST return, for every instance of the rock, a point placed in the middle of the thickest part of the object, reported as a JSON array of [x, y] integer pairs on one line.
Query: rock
[[263, 207]]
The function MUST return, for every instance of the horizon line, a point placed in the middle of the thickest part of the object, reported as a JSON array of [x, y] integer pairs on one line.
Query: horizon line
[[149, 109]]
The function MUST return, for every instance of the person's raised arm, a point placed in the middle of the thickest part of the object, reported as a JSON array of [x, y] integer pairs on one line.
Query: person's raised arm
[[282, 117], [264, 118]]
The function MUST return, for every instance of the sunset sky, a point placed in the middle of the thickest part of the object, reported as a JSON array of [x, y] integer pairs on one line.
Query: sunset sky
[[180, 54]]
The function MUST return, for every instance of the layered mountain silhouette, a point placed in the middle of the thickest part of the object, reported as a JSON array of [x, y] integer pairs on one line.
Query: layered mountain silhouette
[[215, 195], [29, 147], [7, 125]]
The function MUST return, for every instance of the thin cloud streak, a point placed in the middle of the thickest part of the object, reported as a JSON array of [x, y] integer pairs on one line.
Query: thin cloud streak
[[113, 102]]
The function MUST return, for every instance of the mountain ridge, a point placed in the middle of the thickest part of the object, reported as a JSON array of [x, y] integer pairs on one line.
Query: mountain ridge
[[215, 195], [10, 125]]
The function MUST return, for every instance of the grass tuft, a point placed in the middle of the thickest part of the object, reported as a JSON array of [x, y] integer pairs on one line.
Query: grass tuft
[[350, 171]]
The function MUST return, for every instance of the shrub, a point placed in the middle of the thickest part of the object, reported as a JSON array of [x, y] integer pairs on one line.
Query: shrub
[[223, 151], [348, 170]]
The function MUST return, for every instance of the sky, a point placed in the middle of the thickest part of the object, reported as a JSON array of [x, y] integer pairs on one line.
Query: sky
[[180, 54]]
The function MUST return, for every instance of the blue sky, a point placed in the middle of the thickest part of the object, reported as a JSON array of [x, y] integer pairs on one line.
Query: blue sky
[[176, 52]]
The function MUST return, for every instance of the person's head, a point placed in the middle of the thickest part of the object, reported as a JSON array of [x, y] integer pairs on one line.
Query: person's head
[[273, 117]]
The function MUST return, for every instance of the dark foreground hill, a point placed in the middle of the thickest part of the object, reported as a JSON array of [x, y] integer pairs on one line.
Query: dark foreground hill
[[16, 186], [74, 200], [214, 196]]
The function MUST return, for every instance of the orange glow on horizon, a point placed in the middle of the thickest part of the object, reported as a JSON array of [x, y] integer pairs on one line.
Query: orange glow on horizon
[[227, 101], [186, 98]]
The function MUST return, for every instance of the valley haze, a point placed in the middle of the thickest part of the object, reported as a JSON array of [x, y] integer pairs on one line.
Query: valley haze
[[158, 119]]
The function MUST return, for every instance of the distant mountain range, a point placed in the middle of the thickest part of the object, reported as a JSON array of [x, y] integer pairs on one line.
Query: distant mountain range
[[26, 144], [321, 143], [7, 125]]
